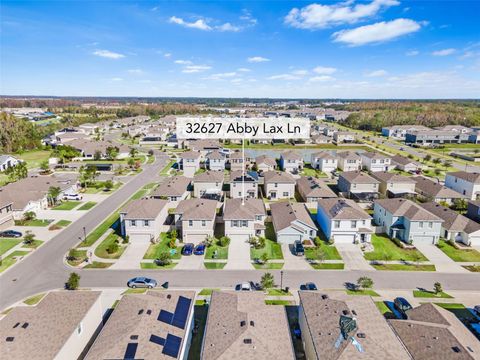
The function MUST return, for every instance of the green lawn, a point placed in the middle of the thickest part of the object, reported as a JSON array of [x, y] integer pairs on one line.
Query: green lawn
[[154, 250], [100, 230], [35, 244], [384, 310], [459, 310], [35, 222], [214, 265], [152, 265], [309, 171], [135, 291], [367, 292], [386, 249], [63, 223], [429, 294], [87, 206], [101, 250], [403, 267], [10, 259], [80, 256], [279, 302], [67, 205], [270, 231], [272, 249], [222, 252], [34, 158], [34, 299], [278, 292], [330, 252], [464, 255], [472, 268], [268, 266], [7, 243], [206, 292], [98, 265], [200, 318], [167, 167], [328, 266]]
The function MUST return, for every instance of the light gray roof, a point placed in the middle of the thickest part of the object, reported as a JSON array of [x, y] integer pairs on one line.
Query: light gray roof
[[322, 313], [323, 155], [91, 146], [235, 210], [434, 189], [4, 158], [374, 155], [452, 221], [313, 187], [291, 155], [408, 209], [137, 315], [343, 209], [384, 176], [350, 155], [241, 326], [174, 186], [144, 208], [472, 177], [402, 160], [209, 176], [204, 144], [236, 155], [358, 177], [190, 155], [197, 209], [278, 177], [265, 159], [215, 155], [285, 213], [49, 324]]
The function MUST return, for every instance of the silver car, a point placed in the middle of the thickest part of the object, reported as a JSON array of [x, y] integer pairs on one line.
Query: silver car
[[141, 282]]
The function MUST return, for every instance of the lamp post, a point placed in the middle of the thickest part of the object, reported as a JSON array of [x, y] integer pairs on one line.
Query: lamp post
[[281, 280], [84, 234]]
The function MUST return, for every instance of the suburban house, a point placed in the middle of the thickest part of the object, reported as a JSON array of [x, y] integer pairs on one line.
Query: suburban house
[[344, 221], [59, 327], [349, 161], [465, 183], [399, 132], [407, 221], [320, 139], [431, 332], [473, 210], [312, 189], [405, 164], [173, 189], [265, 163], [320, 315], [358, 185], [6, 214], [195, 219], [375, 161], [205, 146], [278, 185], [291, 161], [143, 220], [455, 226], [7, 161], [324, 161], [243, 186], [394, 185], [344, 137], [189, 163], [236, 161], [433, 190], [244, 219], [241, 326], [67, 136], [329, 131], [89, 148], [153, 325], [208, 185], [292, 222], [215, 161]]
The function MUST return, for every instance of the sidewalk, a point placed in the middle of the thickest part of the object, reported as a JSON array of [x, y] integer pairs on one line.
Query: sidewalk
[[438, 258]]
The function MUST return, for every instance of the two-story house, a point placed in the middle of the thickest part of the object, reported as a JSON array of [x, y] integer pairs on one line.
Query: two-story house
[[349, 161], [215, 161], [265, 163], [291, 162], [358, 185], [344, 137], [173, 189], [143, 220], [278, 185], [433, 190], [312, 189], [375, 161], [236, 161], [190, 162], [243, 185], [292, 222], [6, 214], [195, 219], [473, 210], [208, 185], [324, 161], [244, 219], [394, 185], [407, 221], [465, 183], [405, 164]]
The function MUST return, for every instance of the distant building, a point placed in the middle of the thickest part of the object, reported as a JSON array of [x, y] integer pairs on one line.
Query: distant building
[[324, 161], [436, 137], [215, 161], [399, 132], [344, 137], [349, 161], [7, 161], [405, 164], [265, 163]]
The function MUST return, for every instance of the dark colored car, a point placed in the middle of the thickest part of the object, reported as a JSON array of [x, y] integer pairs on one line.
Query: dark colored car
[[402, 305], [141, 282], [308, 286], [298, 248], [199, 249], [187, 249], [11, 234]]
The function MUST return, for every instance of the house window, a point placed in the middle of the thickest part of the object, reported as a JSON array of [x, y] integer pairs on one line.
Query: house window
[[430, 224], [364, 222], [204, 223], [173, 198], [244, 223], [420, 224], [285, 193], [276, 184], [190, 222], [235, 223], [336, 224], [146, 223], [133, 223], [258, 217], [353, 224]]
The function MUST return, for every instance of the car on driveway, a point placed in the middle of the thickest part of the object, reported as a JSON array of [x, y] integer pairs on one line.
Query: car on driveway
[[187, 249], [402, 305], [199, 249], [72, 197], [298, 248], [141, 282], [308, 286], [11, 234]]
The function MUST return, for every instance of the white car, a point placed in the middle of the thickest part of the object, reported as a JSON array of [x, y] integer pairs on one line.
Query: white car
[[72, 197], [245, 286]]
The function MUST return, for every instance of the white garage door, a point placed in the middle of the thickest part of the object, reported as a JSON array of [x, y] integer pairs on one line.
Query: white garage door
[[238, 237], [140, 238], [423, 240], [196, 238], [475, 241], [344, 238], [288, 238]]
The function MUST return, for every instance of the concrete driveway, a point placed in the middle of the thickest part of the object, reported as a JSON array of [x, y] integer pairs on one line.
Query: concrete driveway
[[133, 255], [353, 257], [438, 258], [191, 262], [239, 256], [293, 262]]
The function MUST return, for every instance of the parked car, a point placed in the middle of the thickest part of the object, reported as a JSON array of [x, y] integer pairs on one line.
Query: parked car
[[308, 286], [402, 305], [298, 248], [187, 249], [141, 282], [72, 197], [245, 286], [199, 249], [11, 234]]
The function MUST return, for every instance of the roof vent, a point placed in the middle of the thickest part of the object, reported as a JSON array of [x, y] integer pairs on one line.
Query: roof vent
[[247, 341], [456, 349], [252, 323], [324, 296], [149, 312], [169, 296], [242, 323], [16, 325], [9, 339], [345, 312], [140, 312], [361, 335], [354, 312], [134, 337], [25, 325]]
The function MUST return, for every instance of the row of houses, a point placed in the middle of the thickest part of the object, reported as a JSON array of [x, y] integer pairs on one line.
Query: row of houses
[[239, 325], [422, 135]]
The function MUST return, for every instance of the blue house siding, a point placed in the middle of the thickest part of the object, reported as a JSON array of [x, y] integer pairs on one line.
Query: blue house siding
[[324, 222]]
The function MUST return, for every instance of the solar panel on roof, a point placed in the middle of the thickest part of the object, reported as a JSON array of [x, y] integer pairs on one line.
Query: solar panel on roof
[[181, 312], [130, 351], [165, 316], [172, 346], [157, 340]]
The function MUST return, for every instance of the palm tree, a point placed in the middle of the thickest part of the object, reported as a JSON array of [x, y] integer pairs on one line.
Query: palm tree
[[53, 194]]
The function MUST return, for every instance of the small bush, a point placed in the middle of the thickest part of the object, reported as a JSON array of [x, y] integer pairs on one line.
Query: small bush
[[164, 259], [171, 244], [73, 281], [224, 241], [112, 248]]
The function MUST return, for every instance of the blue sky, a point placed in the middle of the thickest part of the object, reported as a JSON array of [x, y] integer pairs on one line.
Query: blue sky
[[351, 49]]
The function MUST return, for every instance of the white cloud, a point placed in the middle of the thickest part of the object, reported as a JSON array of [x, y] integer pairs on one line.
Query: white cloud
[[444, 52], [221, 76], [377, 73], [321, 78], [284, 77], [195, 68], [116, 79], [247, 16], [300, 72], [375, 33], [257, 59], [243, 70], [136, 71], [324, 70], [228, 27], [318, 16], [183, 62], [167, 55], [200, 24], [412, 53], [108, 54]]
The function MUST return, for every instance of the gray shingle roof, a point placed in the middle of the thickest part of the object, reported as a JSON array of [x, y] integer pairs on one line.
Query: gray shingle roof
[[197, 209], [144, 208], [190, 155], [385, 176], [434, 189], [209, 176], [234, 210], [473, 177], [174, 186], [408, 209], [285, 213], [452, 221], [278, 177], [343, 209], [313, 187], [358, 177]]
